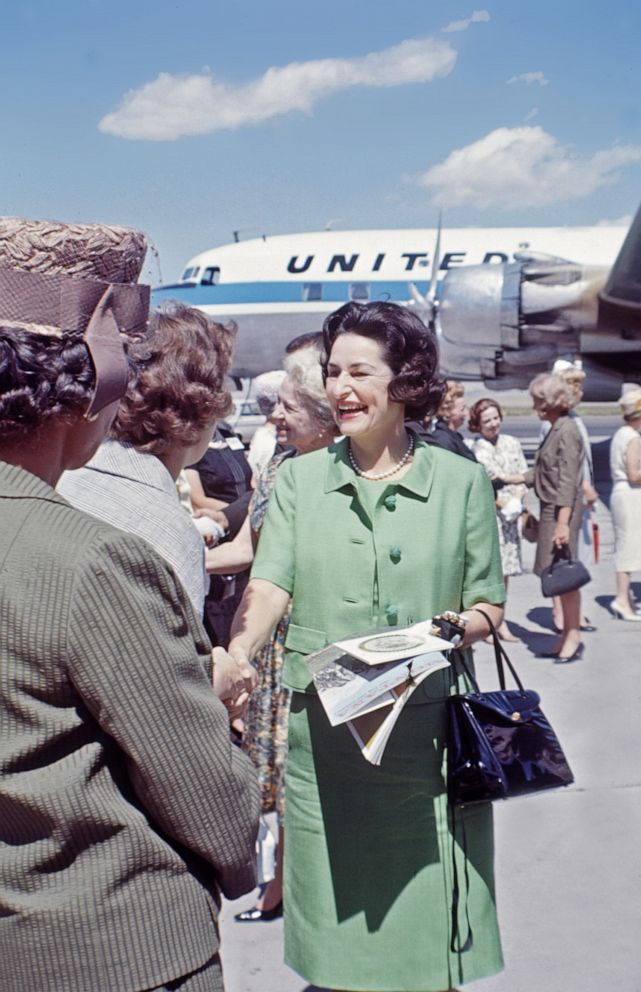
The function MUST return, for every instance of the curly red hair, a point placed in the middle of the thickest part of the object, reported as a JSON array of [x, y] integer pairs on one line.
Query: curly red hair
[[179, 387]]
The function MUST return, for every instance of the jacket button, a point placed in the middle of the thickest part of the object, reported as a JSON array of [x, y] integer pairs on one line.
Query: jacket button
[[392, 614], [395, 553], [390, 501]]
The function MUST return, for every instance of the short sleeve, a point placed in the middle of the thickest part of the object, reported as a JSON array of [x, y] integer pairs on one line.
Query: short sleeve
[[274, 560], [483, 579]]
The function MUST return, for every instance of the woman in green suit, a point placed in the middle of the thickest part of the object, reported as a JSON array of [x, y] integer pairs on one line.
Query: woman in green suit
[[376, 531]]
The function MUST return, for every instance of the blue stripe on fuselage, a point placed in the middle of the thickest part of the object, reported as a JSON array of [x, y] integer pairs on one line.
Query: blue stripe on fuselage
[[281, 292]]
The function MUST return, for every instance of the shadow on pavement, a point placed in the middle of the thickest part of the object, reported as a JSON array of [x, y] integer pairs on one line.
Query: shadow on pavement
[[534, 640], [541, 615]]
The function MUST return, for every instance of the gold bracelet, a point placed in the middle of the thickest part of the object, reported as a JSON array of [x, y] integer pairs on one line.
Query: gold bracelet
[[456, 619]]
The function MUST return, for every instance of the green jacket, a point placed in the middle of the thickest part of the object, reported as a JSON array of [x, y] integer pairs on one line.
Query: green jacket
[[358, 556]]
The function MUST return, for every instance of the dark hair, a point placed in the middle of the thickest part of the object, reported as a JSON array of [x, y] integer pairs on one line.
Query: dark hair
[[180, 383], [474, 420], [310, 339], [408, 348], [41, 377]]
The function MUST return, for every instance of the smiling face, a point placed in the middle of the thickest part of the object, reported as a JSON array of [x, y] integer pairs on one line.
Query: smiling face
[[490, 424], [357, 384], [294, 423]]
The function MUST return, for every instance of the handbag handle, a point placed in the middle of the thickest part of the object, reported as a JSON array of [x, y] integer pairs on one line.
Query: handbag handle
[[500, 656], [561, 553]]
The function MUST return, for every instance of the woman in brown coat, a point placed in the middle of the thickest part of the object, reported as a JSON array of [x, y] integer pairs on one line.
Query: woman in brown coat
[[557, 477]]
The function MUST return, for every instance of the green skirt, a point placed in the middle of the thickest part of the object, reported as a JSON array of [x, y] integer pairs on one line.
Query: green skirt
[[368, 859]]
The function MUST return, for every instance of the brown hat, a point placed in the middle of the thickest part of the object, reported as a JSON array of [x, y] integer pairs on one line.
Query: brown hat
[[58, 279]]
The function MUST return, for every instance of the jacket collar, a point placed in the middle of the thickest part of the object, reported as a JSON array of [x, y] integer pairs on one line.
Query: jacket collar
[[340, 474], [17, 483], [554, 428], [123, 460]]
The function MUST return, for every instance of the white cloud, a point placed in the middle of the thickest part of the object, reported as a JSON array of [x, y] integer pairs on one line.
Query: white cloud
[[173, 106], [624, 221], [531, 114], [463, 25], [518, 167], [528, 78]]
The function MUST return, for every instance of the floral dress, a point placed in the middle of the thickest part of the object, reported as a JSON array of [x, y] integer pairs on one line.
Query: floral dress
[[505, 458], [265, 739]]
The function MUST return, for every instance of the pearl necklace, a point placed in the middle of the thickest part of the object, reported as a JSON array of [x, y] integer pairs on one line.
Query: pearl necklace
[[377, 476]]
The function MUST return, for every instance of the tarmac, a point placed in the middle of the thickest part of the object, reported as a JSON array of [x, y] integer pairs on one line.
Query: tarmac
[[568, 862]]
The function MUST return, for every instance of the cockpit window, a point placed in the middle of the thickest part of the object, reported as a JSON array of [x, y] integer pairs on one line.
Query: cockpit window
[[190, 273], [211, 276]]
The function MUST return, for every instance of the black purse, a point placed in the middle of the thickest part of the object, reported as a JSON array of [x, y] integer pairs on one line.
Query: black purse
[[564, 574], [500, 744]]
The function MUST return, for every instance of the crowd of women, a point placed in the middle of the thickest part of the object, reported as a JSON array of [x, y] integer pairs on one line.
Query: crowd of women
[[361, 507]]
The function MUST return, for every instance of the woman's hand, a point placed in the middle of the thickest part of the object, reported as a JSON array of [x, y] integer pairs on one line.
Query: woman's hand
[[234, 677], [561, 535], [218, 516]]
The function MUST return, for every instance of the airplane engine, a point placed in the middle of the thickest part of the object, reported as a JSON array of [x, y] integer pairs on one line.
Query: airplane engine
[[511, 321]]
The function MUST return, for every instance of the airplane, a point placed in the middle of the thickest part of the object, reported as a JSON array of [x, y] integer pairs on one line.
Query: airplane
[[503, 308]]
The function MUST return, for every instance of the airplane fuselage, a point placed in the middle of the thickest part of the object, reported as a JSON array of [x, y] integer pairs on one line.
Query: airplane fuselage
[[274, 288]]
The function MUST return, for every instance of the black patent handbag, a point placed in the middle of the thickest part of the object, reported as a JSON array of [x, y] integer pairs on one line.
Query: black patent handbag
[[500, 744], [563, 574]]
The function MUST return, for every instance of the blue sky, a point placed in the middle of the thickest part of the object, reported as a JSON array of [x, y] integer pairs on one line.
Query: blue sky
[[194, 119]]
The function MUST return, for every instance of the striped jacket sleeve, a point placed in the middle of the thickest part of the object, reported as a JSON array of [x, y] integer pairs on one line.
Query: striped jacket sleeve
[[141, 663]]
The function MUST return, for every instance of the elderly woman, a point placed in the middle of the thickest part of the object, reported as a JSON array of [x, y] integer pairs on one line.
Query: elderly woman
[[116, 834], [573, 374], [625, 468], [557, 477], [501, 453], [164, 423], [304, 423], [376, 531], [263, 443]]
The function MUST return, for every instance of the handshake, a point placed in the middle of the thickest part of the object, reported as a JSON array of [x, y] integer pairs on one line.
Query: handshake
[[234, 678]]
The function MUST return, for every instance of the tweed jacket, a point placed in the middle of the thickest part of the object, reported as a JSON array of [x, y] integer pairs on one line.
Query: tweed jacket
[[134, 491], [123, 807], [558, 465]]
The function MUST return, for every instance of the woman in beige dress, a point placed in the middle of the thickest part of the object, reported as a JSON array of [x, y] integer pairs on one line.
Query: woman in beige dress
[[625, 468]]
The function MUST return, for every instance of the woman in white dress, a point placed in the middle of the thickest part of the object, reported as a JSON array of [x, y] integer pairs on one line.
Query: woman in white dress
[[625, 468], [501, 454]]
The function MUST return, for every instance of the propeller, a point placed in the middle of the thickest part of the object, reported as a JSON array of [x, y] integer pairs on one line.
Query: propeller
[[428, 304], [436, 261]]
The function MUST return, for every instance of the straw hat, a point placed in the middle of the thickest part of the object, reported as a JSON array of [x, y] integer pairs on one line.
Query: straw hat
[[68, 279]]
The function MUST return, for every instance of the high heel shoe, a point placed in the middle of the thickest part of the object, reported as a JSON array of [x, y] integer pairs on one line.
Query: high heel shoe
[[257, 915], [576, 655], [585, 626], [618, 612], [547, 654]]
